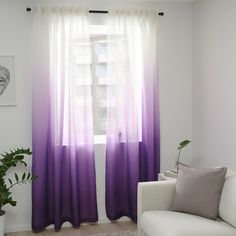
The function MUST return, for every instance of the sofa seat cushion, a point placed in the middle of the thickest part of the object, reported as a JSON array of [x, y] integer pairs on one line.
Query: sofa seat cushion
[[170, 223]]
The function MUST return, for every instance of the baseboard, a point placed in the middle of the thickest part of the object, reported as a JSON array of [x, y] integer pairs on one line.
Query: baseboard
[[106, 220], [27, 227]]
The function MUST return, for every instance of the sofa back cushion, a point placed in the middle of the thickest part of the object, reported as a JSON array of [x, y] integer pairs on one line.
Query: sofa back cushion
[[227, 209]]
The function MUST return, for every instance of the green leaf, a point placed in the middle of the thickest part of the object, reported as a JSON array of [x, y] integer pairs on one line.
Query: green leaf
[[24, 163], [23, 176], [16, 177], [13, 203], [5, 195], [183, 144], [34, 177], [19, 157], [28, 176], [10, 181]]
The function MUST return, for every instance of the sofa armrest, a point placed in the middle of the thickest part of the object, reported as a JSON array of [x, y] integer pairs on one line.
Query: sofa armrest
[[156, 195]]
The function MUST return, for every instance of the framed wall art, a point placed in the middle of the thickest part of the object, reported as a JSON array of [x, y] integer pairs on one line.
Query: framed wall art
[[7, 80]]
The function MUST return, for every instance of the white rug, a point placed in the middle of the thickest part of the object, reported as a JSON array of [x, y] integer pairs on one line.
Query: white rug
[[121, 233]]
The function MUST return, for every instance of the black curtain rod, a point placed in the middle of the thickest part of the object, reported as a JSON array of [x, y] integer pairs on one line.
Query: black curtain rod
[[99, 11]]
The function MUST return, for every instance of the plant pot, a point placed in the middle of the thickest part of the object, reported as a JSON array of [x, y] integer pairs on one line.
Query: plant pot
[[2, 222]]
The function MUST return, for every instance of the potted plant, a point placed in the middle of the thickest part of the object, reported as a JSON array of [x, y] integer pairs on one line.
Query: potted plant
[[180, 147], [8, 160]]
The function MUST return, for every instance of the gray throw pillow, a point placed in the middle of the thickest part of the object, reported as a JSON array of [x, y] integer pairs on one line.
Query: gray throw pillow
[[198, 191]]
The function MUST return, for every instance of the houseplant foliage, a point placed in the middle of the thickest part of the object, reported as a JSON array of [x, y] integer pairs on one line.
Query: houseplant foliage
[[182, 145], [8, 160]]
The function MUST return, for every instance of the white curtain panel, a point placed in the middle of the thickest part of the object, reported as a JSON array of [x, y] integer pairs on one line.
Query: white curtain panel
[[132, 153], [68, 54], [63, 157], [132, 52]]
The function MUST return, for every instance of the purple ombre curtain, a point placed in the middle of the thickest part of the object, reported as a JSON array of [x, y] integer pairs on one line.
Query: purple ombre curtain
[[133, 139], [63, 151]]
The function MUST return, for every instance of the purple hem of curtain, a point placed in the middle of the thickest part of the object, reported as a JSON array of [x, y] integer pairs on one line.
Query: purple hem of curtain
[[39, 229], [66, 187], [123, 172]]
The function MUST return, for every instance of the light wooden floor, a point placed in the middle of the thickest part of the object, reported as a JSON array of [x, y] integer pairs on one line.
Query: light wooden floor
[[83, 230]]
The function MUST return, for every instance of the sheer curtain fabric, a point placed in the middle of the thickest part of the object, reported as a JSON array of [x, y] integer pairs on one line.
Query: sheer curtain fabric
[[133, 140], [63, 157]]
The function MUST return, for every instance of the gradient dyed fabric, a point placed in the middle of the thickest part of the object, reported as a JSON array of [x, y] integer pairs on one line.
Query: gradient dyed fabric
[[133, 139], [63, 150]]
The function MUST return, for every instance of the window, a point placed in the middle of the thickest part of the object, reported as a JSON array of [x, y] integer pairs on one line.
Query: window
[[99, 84], [94, 63], [86, 80]]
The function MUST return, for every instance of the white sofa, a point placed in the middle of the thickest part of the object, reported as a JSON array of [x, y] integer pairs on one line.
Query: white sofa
[[156, 219]]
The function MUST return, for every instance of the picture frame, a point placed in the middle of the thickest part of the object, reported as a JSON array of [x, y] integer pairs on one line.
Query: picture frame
[[7, 80]]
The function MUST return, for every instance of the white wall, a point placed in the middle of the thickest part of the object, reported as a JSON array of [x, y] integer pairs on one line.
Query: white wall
[[15, 122], [175, 81], [214, 83], [175, 91]]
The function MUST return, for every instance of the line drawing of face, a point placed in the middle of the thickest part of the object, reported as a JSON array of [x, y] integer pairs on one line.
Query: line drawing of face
[[4, 78]]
